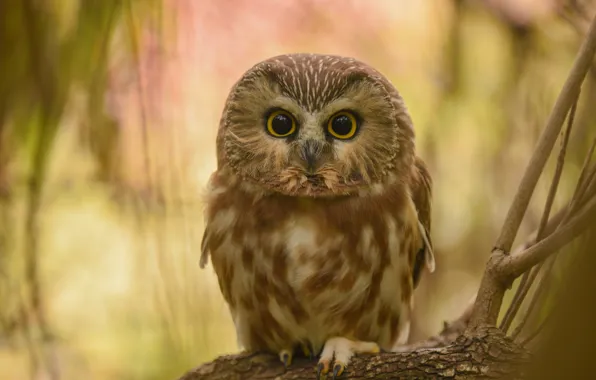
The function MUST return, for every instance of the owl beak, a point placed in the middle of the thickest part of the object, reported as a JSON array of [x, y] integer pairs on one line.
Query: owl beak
[[310, 153]]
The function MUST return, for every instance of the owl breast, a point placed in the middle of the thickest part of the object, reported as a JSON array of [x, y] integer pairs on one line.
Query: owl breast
[[301, 270]]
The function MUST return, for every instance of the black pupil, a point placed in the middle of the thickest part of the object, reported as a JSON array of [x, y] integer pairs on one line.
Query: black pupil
[[342, 125], [281, 124]]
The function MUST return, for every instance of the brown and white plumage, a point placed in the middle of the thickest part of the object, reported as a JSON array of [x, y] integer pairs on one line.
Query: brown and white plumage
[[317, 239]]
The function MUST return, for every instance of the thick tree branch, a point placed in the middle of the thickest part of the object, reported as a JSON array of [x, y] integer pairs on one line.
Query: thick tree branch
[[485, 353]]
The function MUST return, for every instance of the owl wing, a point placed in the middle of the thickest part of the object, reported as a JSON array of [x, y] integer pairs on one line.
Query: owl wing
[[422, 195], [204, 249]]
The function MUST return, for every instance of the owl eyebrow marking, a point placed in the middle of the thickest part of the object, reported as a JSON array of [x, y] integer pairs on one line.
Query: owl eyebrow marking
[[309, 97], [297, 84], [325, 82]]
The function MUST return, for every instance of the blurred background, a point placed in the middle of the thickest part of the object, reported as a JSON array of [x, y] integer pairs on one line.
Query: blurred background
[[108, 115]]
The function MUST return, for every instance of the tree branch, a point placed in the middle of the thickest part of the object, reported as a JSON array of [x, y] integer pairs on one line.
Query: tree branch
[[485, 353], [498, 276], [529, 277], [541, 288], [547, 140], [518, 264]]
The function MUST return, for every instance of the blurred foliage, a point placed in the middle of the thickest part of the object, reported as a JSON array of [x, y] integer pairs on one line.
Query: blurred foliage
[[108, 116]]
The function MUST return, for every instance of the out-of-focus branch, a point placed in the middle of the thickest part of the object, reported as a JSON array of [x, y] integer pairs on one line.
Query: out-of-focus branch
[[547, 140], [518, 264], [529, 277], [541, 288], [565, 352], [502, 268], [134, 41]]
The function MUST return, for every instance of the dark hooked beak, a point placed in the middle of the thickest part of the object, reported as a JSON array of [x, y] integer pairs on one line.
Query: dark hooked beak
[[310, 152]]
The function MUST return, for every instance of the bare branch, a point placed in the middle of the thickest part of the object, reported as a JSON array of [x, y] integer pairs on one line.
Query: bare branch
[[530, 337], [485, 353], [501, 268], [557, 176], [542, 286], [583, 173], [547, 140], [529, 277], [587, 187], [520, 295], [518, 264], [551, 226]]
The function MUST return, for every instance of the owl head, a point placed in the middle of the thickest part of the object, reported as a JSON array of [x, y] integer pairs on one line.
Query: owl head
[[315, 125]]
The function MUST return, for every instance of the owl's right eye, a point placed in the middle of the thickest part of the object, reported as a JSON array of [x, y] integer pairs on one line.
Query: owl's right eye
[[281, 123]]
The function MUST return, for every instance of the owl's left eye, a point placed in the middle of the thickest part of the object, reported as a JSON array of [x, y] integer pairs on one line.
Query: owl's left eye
[[281, 123], [342, 125]]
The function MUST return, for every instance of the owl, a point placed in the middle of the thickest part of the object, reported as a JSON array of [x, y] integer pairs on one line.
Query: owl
[[318, 215]]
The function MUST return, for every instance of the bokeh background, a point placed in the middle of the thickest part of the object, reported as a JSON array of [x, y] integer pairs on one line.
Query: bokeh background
[[108, 115]]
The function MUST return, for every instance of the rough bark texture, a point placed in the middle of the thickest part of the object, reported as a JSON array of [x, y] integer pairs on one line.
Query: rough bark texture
[[485, 353]]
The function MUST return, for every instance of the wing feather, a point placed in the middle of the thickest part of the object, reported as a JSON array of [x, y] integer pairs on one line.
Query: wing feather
[[422, 197]]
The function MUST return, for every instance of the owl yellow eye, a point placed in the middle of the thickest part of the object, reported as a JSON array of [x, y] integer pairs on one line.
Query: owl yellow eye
[[281, 123], [342, 125]]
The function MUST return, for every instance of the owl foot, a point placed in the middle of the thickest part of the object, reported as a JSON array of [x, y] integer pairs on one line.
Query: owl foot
[[341, 349], [286, 357]]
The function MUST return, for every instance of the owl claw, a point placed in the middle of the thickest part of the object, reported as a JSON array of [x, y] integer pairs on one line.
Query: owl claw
[[322, 370], [338, 369], [286, 358], [341, 351]]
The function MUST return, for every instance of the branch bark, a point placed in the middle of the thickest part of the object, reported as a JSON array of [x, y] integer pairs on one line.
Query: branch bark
[[518, 264], [485, 353]]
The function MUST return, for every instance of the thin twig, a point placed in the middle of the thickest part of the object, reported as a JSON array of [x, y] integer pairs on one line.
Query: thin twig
[[547, 140], [541, 287], [585, 166], [517, 297], [529, 277], [518, 264], [584, 181], [584, 178], [551, 226], [587, 186], [502, 268], [520, 296], [552, 192], [524, 342]]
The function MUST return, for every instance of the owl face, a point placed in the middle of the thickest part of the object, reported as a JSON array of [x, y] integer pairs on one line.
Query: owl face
[[315, 125]]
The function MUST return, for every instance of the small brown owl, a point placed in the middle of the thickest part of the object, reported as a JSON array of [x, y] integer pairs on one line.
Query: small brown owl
[[318, 215]]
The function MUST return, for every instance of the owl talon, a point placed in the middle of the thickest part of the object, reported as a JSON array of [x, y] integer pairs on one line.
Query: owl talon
[[286, 358], [341, 350], [338, 369], [322, 370]]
